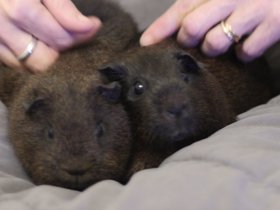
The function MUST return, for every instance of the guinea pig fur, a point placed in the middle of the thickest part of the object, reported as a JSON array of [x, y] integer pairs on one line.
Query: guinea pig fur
[[176, 97], [68, 128]]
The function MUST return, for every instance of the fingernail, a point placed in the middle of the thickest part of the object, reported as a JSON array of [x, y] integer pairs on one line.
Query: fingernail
[[83, 18], [91, 22], [96, 21], [146, 40]]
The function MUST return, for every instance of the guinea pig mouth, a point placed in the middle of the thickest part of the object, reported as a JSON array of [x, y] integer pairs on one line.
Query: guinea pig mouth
[[77, 183], [171, 134], [178, 136]]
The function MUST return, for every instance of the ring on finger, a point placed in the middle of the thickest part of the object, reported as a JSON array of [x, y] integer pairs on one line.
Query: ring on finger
[[227, 29], [28, 50]]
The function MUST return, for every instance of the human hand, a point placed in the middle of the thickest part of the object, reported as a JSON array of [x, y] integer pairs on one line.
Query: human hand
[[56, 24], [198, 22]]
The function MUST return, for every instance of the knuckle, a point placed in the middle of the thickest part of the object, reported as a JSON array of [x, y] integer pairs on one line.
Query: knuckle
[[34, 64], [250, 52], [191, 29], [213, 44], [19, 12], [15, 10], [62, 42]]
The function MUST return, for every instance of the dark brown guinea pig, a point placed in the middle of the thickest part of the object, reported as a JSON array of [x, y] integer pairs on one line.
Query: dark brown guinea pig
[[69, 130], [174, 100]]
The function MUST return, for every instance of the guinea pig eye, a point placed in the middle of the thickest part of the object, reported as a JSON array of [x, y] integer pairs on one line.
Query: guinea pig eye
[[185, 77], [50, 133], [139, 88], [99, 130]]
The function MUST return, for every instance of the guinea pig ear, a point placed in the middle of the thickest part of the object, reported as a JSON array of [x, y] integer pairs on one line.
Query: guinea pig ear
[[37, 103], [188, 62], [111, 91], [35, 106], [113, 72], [10, 81]]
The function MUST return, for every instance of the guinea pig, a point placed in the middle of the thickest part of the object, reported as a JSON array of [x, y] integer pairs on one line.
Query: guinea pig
[[176, 97], [68, 128]]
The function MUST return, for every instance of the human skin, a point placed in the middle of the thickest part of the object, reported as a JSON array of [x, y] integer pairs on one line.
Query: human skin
[[43, 19], [197, 23]]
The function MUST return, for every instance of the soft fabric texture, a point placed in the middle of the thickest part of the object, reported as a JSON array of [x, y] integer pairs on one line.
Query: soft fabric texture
[[236, 168]]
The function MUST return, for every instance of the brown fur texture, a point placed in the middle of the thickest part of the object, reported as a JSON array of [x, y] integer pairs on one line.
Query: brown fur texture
[[174, 100], [68, 128], [117, 33]]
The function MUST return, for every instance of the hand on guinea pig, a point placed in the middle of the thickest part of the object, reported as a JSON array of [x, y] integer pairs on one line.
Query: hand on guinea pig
[[198, 22], [42, 26], [68, 128]]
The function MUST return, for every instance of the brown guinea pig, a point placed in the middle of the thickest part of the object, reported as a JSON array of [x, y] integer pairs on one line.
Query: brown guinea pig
[[175, 100], [69, 129]]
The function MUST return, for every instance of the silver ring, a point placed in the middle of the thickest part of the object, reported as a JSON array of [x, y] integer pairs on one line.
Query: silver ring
[[28, 50], [227, 29]]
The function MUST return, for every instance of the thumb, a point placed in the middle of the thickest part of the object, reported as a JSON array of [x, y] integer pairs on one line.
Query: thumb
[[69, 17]]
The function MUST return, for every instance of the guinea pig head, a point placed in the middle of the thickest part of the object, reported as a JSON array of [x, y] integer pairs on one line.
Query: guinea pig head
[[70, 132], [173, 100]]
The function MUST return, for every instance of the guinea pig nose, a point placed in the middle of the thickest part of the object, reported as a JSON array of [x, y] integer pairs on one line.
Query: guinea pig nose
[[176, 110]]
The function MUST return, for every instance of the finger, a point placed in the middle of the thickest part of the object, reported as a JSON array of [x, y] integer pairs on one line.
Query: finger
[[168, 23], [71, 18], [17, 40], [242, 22], [34, 63], [40, 23], [14, 38], [264, 36], [8, 58], [196, 23], [41, 58], [86, 35]]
